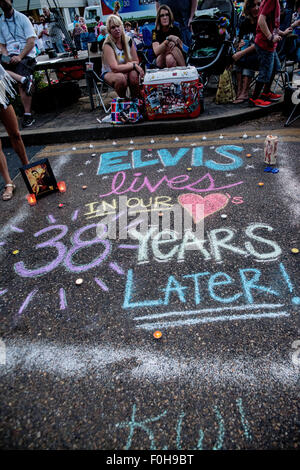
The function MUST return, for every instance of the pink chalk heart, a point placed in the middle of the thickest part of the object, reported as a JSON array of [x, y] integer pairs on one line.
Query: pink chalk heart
[[211, 204]]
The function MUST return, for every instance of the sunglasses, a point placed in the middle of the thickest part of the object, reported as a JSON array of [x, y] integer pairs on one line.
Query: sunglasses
[[164, 14]]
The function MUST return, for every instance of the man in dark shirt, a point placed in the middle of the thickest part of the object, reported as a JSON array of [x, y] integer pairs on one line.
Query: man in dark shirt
[[183, 11]]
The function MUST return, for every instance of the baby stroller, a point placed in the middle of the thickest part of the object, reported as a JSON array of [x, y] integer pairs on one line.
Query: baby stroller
[[214, 30]]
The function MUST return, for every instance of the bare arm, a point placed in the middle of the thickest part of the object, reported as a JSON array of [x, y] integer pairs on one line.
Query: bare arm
[[110, 59], [28, 47], [262, 23], [295, 24], [192, 12], [3, 49], [238, 55], [160, 48]]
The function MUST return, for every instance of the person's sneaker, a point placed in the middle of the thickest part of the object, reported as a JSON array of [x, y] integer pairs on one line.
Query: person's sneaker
[[259, 103], [270, 96], [28, 85], [27, 120]]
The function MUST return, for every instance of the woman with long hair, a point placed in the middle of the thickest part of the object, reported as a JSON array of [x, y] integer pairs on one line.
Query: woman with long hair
[[120, 63], [9, 120], [166, 40], [245, 57]]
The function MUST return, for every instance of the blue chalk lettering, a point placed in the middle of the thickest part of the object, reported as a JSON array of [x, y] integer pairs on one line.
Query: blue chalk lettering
[[178, 431], [197, 292], [286, 277], [137, 160], [223, 150], [133, 424], [197, 156], [129, 289], [168, 159], [110, 162], [218, 445], [174, 286], [200, 440], [249, 284], [244, 421], [213, 282]]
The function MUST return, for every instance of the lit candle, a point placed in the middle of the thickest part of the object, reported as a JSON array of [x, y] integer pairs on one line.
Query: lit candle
[[31, 199], [62, 186]]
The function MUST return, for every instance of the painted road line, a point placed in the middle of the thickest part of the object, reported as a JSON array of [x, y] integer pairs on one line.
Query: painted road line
[[156, 146], [205, 320], [187, 138], [183, 137], [209, 310]]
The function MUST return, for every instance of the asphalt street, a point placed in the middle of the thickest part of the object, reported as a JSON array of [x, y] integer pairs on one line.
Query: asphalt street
[[80, 367]]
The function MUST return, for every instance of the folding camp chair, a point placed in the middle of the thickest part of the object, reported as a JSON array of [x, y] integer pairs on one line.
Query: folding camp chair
[[96, 86], [292, 99]]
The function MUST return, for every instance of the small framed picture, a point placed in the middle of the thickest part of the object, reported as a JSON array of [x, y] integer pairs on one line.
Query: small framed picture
[[39, 178]]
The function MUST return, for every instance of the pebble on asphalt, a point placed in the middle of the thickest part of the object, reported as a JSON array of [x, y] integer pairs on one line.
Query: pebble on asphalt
[[79, 281]]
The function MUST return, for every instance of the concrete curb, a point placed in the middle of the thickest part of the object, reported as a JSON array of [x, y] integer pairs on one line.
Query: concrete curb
[[204, 123]]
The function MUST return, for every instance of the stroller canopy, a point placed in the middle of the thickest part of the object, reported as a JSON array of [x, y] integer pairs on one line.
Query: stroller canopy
[[225, 6]]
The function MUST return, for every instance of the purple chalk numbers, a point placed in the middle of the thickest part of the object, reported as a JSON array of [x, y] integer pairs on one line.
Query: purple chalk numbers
[[63, 254], [78, 244]]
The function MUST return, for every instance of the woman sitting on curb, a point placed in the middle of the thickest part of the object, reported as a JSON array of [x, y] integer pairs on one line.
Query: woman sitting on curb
[[120, 63], [166, 40]]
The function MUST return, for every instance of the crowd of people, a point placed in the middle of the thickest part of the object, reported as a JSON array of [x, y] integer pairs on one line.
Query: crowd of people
[[262, 25]]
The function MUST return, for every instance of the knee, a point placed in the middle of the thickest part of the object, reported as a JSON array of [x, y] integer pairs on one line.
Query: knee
[[133, 78], [160, 61], [120, 81], [16, 136], [170, 61]]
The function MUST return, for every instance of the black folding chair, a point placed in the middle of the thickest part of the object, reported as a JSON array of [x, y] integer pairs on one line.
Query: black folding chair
[[96, 86]]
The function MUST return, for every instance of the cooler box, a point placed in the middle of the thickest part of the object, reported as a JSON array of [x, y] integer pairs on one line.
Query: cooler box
[[171, 93]]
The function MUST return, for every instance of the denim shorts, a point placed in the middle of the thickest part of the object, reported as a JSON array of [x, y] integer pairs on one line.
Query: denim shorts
[[245, 72], [248, 64], [268, 64], [24, 68]]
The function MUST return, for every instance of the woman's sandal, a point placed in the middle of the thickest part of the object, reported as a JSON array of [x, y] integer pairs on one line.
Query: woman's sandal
[[8, 192]]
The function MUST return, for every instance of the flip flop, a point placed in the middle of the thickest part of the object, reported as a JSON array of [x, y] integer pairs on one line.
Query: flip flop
[[8, 194]]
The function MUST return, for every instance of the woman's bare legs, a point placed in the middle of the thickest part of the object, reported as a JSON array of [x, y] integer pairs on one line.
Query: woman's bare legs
[[15, 76], [118, 81], [134, 85], [9, 120], [178, 56], [172, 58], [3, 167], [9, 186]]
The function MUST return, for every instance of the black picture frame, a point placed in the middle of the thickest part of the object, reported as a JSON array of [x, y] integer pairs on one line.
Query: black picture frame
[[39, 178]]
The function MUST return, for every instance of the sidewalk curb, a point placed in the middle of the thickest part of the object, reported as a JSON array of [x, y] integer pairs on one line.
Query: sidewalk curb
[[104, 131]]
